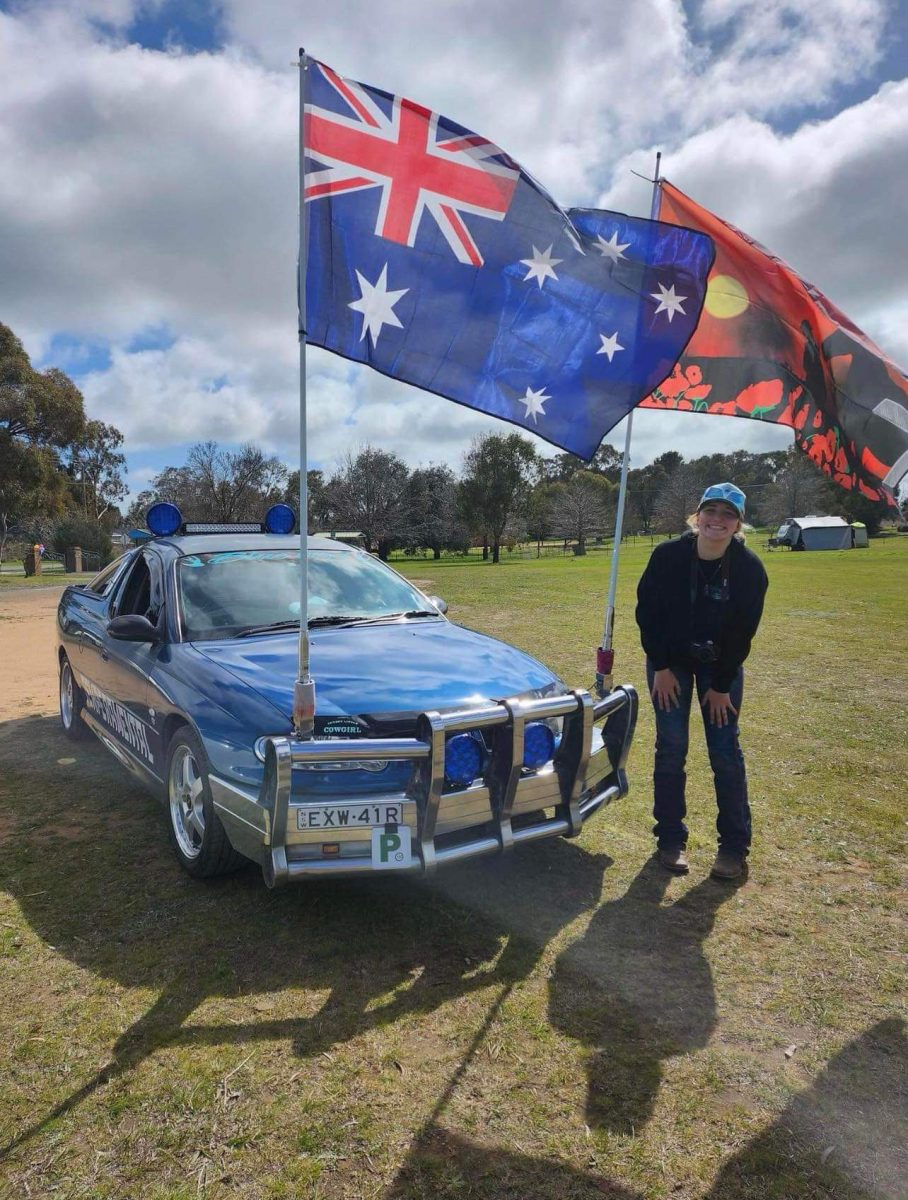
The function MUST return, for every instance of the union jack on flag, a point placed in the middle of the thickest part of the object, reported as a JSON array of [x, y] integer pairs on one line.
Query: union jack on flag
[[433, 257]]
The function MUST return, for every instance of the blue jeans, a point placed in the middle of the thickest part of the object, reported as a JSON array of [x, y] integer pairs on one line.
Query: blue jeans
[[725, 757]]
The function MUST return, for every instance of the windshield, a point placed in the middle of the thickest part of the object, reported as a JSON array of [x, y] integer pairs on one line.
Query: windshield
[[226, 592]]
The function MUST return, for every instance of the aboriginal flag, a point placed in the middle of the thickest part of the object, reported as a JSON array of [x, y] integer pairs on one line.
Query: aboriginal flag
[[770, 346]]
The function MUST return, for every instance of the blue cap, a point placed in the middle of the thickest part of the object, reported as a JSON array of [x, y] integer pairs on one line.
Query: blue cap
[[728, 493]]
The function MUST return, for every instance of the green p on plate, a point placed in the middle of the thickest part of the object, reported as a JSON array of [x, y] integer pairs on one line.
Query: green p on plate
[[391, 847]]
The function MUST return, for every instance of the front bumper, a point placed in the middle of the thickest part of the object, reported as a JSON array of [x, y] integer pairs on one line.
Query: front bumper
[[506, 806]]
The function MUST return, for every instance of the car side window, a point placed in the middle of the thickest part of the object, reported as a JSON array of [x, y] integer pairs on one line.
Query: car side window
[[135, 596], [104, 583]]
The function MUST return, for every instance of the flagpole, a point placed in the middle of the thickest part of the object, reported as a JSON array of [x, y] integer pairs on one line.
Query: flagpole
[[605, 655], [304, 688]]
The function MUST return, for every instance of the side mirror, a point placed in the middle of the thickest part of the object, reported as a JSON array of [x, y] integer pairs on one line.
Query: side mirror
[[132, 628], [439, 603]]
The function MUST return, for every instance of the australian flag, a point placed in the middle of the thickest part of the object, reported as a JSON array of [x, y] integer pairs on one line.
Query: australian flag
[[436, 259]]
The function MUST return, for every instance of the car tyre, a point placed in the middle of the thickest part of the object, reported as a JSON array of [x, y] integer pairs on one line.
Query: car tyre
[[72, 701], [196, 831]]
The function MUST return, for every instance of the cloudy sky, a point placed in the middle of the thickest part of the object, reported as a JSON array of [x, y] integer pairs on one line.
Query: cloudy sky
[[148, 191]]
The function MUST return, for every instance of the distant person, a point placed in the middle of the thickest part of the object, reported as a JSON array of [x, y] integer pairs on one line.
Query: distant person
[[699, 603]]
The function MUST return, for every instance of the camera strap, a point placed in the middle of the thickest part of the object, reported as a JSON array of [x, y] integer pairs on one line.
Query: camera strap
[[695, 572]]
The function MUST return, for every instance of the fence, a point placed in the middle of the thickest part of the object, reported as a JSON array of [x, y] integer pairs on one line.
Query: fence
[[51, 564]]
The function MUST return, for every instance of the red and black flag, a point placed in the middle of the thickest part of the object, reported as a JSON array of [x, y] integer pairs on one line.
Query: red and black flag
[[770, 346]]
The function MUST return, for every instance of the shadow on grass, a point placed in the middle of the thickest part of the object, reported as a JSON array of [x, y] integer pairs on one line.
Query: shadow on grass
[[89, 863], [637, 989], [844, 1137], [841, 1139]]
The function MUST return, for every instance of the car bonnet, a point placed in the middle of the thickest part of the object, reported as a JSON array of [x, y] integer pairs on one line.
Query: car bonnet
[[408, 666]]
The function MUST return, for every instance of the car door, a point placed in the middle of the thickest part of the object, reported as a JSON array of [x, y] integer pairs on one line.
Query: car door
[[83, 621], [125, 667]]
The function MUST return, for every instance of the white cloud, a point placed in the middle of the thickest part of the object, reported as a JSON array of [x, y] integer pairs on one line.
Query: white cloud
[[145, 189]]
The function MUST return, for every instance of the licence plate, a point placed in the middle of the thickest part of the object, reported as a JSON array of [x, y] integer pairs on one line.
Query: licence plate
[[348, 816]]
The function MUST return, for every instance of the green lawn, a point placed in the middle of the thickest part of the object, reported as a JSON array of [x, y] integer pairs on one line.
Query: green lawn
[[10, 581], [568, 1023]]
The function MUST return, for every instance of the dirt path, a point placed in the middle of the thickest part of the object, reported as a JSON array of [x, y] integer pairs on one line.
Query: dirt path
[[28, 668]]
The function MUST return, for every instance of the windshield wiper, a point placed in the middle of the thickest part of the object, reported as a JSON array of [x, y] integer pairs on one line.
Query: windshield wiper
[[273, 627], [337, 619], [396, 616]]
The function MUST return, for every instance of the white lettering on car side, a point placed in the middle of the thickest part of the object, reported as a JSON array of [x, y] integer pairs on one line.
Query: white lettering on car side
[[118, 719]]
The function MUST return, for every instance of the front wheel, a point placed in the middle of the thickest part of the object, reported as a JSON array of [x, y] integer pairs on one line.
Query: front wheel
[[72, 701], [196, 831]]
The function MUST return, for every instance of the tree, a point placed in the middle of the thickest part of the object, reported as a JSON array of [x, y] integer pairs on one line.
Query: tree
[[96, 467], [320, 509], [431, 511], [217, 485], [606, 461], [679, 496], [41, 413], [798, 490], [86, 532], [538, 514], [582, 507], [496, 483], [369, 494], [234, 486], [855, 507]]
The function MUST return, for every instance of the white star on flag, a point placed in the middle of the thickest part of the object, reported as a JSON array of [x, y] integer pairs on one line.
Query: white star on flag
[[376, 304], [609, 345], [541, 265], [668, 302], [534, 402], [612, 248]]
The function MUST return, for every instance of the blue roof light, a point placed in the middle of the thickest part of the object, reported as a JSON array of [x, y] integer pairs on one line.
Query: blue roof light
[[163, 519], [538, 744], [463, 759], [280, 518]]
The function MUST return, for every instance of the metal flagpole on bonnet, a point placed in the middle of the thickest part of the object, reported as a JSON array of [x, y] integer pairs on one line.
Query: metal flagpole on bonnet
[[304, 688], [605, 655]]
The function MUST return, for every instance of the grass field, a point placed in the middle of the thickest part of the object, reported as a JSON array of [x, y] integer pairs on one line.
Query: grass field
[[569, 1023]]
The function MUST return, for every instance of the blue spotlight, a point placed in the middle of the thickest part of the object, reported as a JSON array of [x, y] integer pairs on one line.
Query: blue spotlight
[[280, 518], [538, 744], [163, 519], [463, 759]]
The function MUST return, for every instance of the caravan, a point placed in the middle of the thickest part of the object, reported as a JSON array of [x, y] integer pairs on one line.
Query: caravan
[[815, 533]]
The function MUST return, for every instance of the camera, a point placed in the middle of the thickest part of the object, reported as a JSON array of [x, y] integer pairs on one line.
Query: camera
[[703, 652]]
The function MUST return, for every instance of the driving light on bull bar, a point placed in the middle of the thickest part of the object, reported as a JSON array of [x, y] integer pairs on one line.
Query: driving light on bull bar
[[463, 759], [538, 744]]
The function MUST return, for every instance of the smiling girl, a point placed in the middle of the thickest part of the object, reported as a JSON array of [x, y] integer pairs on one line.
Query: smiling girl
[[699, 603]]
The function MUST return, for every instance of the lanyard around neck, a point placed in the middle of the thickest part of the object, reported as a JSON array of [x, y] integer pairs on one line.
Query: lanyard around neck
[[695, 567]]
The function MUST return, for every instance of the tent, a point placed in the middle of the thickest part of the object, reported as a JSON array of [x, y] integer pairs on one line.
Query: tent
[[814, 533], [859, 534]]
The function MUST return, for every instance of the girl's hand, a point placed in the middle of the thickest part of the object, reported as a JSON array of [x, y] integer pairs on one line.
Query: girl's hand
[[666, 690], [718, 705]]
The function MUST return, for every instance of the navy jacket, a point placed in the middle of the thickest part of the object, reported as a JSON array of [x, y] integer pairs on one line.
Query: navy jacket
[[664, 610]]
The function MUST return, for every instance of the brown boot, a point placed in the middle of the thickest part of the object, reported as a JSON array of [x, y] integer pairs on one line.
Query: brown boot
[[674, 860], [729, 866]]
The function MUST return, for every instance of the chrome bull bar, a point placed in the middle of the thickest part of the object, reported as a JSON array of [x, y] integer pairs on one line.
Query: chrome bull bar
[[587, 772]]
